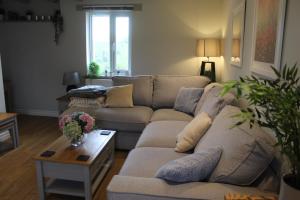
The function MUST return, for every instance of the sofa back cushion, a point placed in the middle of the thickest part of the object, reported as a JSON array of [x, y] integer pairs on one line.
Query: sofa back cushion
[[247, 153], [142, 88], [213, 103], [204, 95], [167, 87]]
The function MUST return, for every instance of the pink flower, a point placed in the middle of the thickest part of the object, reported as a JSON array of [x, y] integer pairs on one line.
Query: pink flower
[[90, 122], [64, 120]]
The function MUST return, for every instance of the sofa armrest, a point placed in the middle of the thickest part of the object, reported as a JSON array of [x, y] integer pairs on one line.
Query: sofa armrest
[[139, 188]]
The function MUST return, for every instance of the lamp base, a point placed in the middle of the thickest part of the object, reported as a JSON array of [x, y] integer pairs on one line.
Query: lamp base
[[71, 87], [210, 74]]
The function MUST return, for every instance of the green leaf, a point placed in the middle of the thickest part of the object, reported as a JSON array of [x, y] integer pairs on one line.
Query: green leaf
[[284, 72], [276, 72], [274, 104]]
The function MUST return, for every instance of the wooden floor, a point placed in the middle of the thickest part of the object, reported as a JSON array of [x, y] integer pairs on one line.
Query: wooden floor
[[17, 171]]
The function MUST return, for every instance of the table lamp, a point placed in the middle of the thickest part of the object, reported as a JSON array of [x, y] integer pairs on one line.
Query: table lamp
[[71, 80], [208, 48]]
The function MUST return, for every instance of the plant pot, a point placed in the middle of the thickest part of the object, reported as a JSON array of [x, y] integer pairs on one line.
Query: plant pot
[[288, 192]]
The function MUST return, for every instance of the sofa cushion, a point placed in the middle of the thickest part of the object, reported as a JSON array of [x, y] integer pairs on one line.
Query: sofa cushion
[[214, 103], [137, 188], [142, 88], [119, 97], [192, 132], [187, 99], [145, 161], [167, 87], [246, 152], [121, 119], [161, 134], [170, 115], [271, 178], [191, 168], [204, 95], [124, 119]]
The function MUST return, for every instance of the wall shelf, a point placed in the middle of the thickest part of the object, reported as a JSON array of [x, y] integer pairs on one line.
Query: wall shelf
[[25, 21]]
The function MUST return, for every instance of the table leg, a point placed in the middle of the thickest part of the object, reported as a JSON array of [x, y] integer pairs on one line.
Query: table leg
[[16, 132], [12, 131], [40, 179], [12, 134], [87, 184]]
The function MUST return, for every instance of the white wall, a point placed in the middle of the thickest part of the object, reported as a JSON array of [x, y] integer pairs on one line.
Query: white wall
[[164, 39], [291, 42], [2, 100], [164, 33]]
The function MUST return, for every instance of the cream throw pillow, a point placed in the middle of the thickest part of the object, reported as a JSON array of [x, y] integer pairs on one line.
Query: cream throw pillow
[[191, 134], [119, 97]]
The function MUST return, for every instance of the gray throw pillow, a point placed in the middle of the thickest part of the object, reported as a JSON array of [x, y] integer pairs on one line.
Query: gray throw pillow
[[187, 99], [192, 168]]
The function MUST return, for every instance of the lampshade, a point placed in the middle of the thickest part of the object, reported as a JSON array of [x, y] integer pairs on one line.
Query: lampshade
[[71, 78], [235, 48], [208, 48]]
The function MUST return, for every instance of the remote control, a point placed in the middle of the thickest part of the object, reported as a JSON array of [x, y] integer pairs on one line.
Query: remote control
[[104, 132]]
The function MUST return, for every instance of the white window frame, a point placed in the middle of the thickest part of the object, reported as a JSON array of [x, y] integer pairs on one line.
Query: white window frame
[[113, 59]]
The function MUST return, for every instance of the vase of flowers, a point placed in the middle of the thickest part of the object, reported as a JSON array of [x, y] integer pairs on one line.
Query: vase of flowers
[[275, 104], [75, 126]]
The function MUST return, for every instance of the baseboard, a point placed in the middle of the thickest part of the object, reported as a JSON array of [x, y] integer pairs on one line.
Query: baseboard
[[35, 112]]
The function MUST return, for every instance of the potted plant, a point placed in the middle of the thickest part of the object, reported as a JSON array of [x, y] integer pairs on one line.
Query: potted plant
[[275, 104], [94, 70], [75, 126]]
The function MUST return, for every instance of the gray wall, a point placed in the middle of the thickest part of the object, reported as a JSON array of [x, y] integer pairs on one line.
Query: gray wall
[[291, 41], [164, 39]]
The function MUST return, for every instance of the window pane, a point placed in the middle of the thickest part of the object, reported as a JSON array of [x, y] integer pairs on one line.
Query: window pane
[[101, 42], [122, 43]]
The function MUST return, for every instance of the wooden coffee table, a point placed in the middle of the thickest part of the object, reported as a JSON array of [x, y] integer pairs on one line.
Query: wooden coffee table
[[63, 173]]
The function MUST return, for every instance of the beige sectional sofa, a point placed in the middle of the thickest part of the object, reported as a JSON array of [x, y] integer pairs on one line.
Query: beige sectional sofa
[[150, 129], [136, 180], [153, 98]]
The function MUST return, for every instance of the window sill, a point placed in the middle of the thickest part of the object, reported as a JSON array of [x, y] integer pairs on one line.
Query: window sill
[[98, 77]]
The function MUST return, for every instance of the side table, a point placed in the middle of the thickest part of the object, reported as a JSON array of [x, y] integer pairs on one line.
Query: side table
[[8, 122]]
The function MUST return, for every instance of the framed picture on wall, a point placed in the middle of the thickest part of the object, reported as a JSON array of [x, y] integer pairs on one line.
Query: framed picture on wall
[[238, 19], [268, 35]]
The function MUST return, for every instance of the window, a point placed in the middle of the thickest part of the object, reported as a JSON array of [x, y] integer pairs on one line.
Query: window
[[109, 41]]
